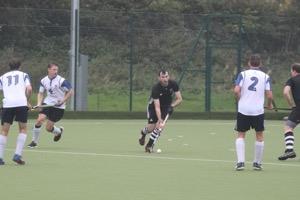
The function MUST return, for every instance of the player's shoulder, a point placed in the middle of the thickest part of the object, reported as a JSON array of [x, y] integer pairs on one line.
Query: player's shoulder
[[156, 86], [173, 83]]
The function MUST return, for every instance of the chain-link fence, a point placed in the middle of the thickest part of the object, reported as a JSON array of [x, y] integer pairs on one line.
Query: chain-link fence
[[126, 50]]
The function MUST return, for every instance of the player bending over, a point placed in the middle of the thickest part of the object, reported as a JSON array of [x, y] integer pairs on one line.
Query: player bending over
[[160, 104]]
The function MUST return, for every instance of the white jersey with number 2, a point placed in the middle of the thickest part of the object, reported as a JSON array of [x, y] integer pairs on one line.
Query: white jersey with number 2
[[14, 85], [253, 83]]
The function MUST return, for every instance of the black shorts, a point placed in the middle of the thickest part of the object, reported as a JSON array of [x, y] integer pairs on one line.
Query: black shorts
[[19, 114], [245, 122], [53, 114], [294, 116], [151, 114]]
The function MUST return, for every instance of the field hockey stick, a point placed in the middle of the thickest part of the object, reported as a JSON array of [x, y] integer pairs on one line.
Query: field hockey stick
[[42, 106], [274, 105], [166, 118], [164, 122], [276, 109]]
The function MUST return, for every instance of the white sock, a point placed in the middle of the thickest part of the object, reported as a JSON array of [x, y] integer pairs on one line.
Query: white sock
[[258, 153], [36, 134], [240, 149], [20, 143], [3, 141], [56, 130]]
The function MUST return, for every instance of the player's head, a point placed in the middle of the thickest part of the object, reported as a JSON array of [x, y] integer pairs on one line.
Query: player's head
[[295, 69], [255, 60], [14, 64], [163, 77], [52, 70]]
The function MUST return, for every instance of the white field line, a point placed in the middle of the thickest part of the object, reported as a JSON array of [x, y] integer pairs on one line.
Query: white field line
[[151, 156], [141, 122]]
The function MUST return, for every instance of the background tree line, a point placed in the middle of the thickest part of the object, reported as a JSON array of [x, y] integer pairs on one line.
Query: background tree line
[[162, 33]]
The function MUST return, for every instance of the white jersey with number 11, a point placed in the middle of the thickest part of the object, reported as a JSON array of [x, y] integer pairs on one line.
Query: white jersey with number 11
[[14, 85]]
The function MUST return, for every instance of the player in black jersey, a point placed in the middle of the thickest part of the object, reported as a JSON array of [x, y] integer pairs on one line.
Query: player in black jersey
[[160, 104], [291, 93]]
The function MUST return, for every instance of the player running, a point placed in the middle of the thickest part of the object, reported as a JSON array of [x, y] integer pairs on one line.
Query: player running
[[291, 93], [160, 104], [250, 89], [58, 91], [17, 89]]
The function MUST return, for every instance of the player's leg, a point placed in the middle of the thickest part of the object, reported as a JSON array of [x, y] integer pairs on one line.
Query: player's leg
[[242, 125], [147, 129], [3, 140], [6, 121], [155, 134], [55, 114], [258, 125], [258, 151], [289, 141], [36, 131], [152, 119], [289, 138], [21, 118]]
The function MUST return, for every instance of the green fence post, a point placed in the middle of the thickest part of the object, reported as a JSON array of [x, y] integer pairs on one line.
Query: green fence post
[[130, 37], [207, 66]]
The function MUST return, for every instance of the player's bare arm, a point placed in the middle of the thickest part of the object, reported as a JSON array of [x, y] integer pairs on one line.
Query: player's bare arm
[[157, 110], [67, 97], [237, 92], [287, 95], [40, 98], [178, 99], [269, 95]]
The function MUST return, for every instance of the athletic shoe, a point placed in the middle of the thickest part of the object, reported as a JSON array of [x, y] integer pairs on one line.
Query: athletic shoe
[[58, 136], [32, 145], [148, 149], [286, 155], [240, 166], [142, 139], [1, 162], [257, 166], [18, 159]]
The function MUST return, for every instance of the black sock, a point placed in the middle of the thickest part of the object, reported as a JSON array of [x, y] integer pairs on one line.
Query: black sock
[[153, 137], [289, 141]]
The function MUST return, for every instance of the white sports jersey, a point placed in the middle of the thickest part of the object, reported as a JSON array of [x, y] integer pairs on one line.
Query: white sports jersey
[[253, 83], [55, 88], [14, 85]]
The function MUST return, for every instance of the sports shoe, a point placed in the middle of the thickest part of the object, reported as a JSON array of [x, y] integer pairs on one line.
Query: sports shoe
[[32, 145], [1, 161], [142, 139], [58, 136], [148, 149], [240, 166], [18, 159], [287, 154], [257, 166]]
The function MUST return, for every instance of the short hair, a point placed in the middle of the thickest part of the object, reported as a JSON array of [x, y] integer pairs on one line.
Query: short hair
[[296, 67], [255, 60], [163, 72], [14, 64], [51, 65]]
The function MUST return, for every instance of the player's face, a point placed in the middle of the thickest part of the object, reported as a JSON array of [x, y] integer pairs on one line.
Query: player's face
[[52, 71], [164, 79]]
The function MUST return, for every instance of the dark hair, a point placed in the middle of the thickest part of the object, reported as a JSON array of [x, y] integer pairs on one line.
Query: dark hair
[[51, 65], [163, 72], [296, 67], [255, 60], [14, 64]]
